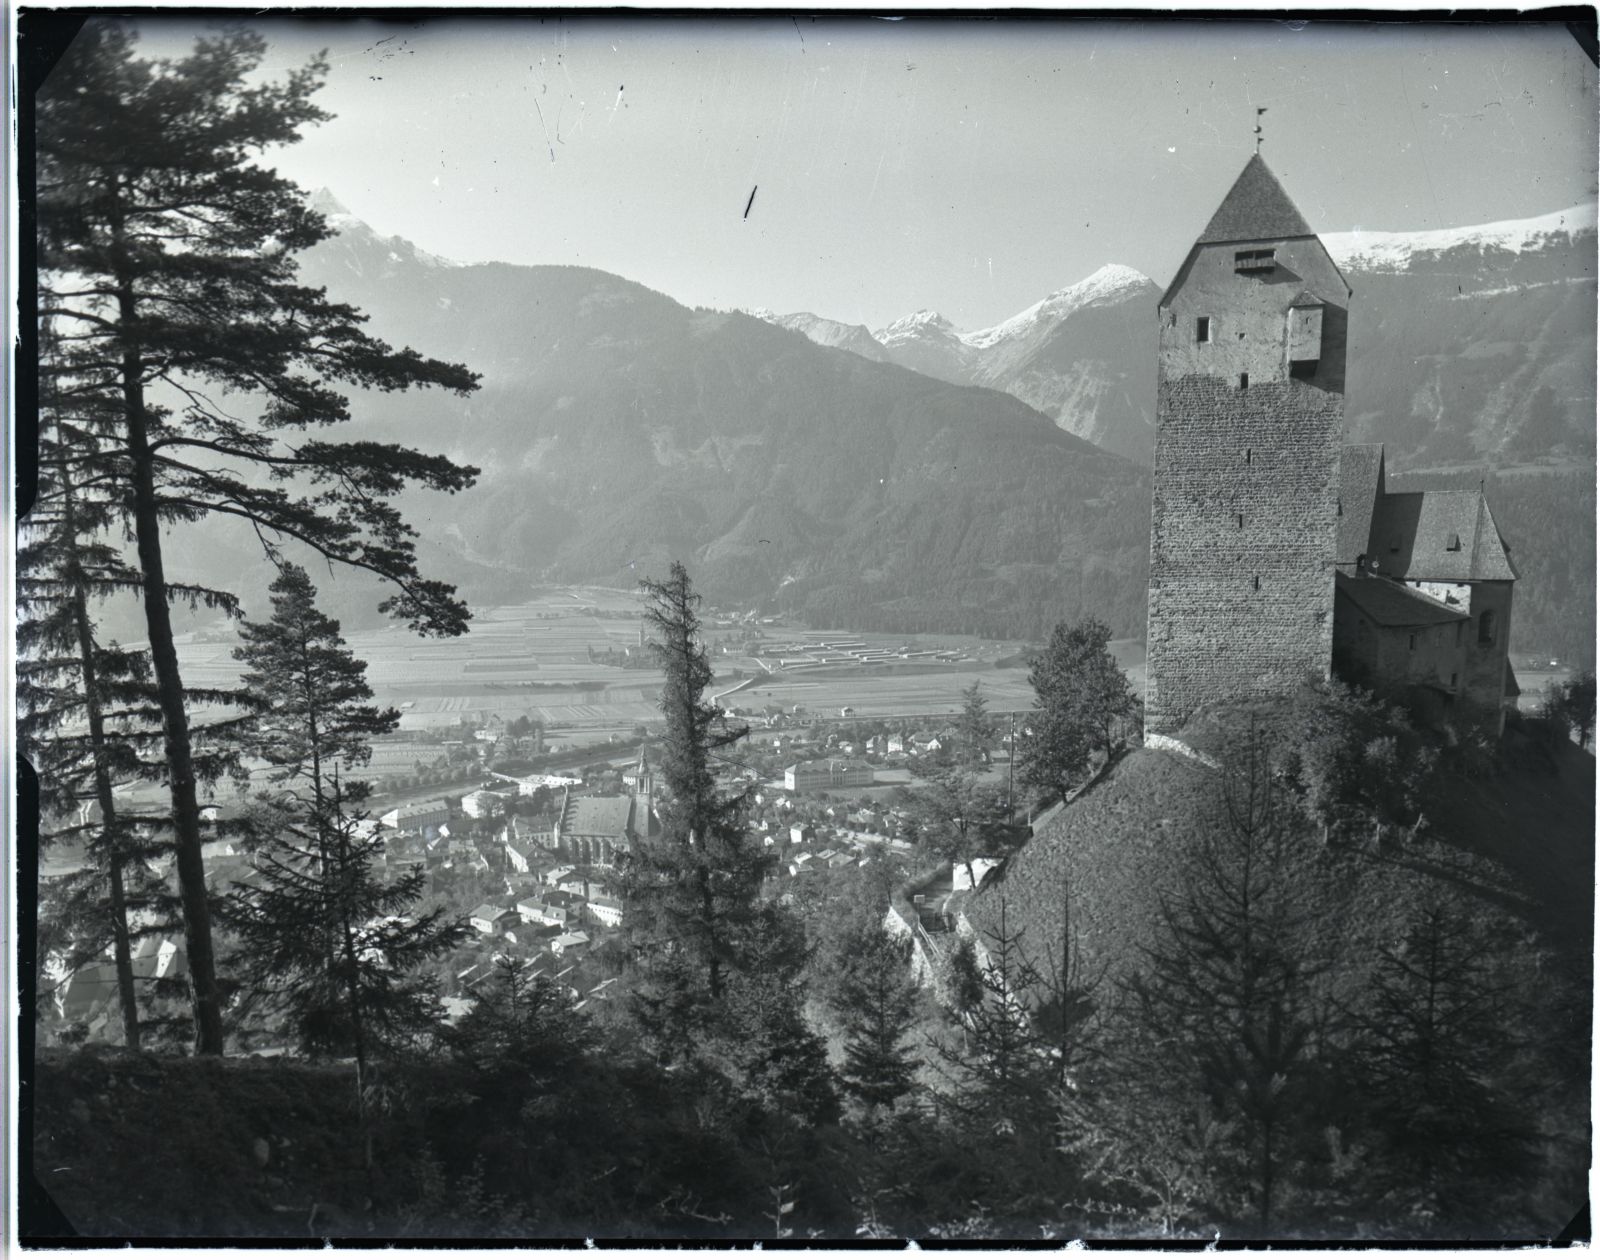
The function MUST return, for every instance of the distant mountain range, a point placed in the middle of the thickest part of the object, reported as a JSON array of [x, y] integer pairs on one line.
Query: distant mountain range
[[619, 430], [919, 477], [1451, 330]]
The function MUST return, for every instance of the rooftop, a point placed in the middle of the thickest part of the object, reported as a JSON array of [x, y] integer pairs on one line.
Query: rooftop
[[1438, 536], [1255, 209], [597, 816], [1360, 485], [1393, 604]]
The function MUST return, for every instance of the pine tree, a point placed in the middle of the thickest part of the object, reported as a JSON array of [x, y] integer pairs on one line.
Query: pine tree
[[877, 1003], [88, 716], [1446, 1063], [308, 695], [976, 726], [336, 946], [1227, 1001], [320, 931], [691, 890], [169, 254], [1003, 1064], [307, 692], [760, 1033], [1083, 698], [956, 816]]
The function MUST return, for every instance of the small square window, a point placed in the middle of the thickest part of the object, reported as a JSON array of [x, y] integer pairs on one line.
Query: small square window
[[1202, 328]]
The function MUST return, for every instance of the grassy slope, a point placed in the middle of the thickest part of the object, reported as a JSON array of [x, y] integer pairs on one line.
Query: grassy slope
[[1521, 839]]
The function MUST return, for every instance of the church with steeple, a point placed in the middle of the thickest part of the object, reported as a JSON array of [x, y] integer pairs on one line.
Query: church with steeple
[[594, 830], [1277, 552]]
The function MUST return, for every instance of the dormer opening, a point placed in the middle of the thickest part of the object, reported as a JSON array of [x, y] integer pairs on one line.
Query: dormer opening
[[1254, 261]]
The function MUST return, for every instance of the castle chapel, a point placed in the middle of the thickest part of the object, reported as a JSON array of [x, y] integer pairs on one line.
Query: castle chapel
[[1277, 551]]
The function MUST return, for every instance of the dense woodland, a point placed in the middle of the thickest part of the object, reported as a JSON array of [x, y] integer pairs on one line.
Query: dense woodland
[[1291, 994]]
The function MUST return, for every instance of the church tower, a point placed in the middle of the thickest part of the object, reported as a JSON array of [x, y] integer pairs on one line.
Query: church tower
[[643, 791], [1250, 416]]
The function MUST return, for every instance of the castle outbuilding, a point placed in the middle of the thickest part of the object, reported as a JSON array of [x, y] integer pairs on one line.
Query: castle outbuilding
[[1276, 552]]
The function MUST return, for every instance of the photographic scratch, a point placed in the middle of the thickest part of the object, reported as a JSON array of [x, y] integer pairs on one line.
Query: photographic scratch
[[545, 129], [752, 200]]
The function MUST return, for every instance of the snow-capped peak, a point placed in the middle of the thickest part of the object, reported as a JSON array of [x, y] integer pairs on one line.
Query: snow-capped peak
[[344, 223], [916, 323], [1111, 283], [1393, 251]]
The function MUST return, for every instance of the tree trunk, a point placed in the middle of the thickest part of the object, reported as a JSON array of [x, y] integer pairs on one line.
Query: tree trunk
[[169, 692], [121, 948]]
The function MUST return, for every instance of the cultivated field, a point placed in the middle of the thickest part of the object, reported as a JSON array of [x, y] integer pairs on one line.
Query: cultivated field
[[533, 659]]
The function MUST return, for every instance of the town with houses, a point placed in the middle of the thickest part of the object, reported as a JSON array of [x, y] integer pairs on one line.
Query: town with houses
[[530, 859]]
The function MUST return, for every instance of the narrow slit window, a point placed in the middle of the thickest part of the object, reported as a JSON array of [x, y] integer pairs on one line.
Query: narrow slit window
[[1413, 643], [1486, 627], [1247, 456], [1202, 328], [1452, 680], [1255, 582], [1239, 519], [1244, 380]]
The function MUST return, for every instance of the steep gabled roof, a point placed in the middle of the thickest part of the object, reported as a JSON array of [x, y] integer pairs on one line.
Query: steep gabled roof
[[598, 816], [1438, 536], [1490, 556], [1360, 488], [1392, 604], [1255, 209]]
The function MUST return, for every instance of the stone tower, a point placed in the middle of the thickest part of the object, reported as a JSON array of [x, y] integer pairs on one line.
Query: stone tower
[[1250, 414]]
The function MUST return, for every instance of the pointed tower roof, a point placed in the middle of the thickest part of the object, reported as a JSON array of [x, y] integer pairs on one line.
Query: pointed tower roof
[[1255, 209]]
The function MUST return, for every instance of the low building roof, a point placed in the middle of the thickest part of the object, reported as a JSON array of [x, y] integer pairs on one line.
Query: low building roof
[[1393, 604], [1438, 536], [486, 911], [425, 808]]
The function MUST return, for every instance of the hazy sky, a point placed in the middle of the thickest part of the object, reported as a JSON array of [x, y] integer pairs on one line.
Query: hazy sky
[[966, 166]]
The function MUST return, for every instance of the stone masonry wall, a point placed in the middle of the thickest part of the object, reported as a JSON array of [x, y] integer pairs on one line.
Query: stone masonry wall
[[1242, 540]]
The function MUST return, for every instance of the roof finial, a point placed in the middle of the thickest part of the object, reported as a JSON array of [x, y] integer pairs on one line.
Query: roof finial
[[1260, 109]]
